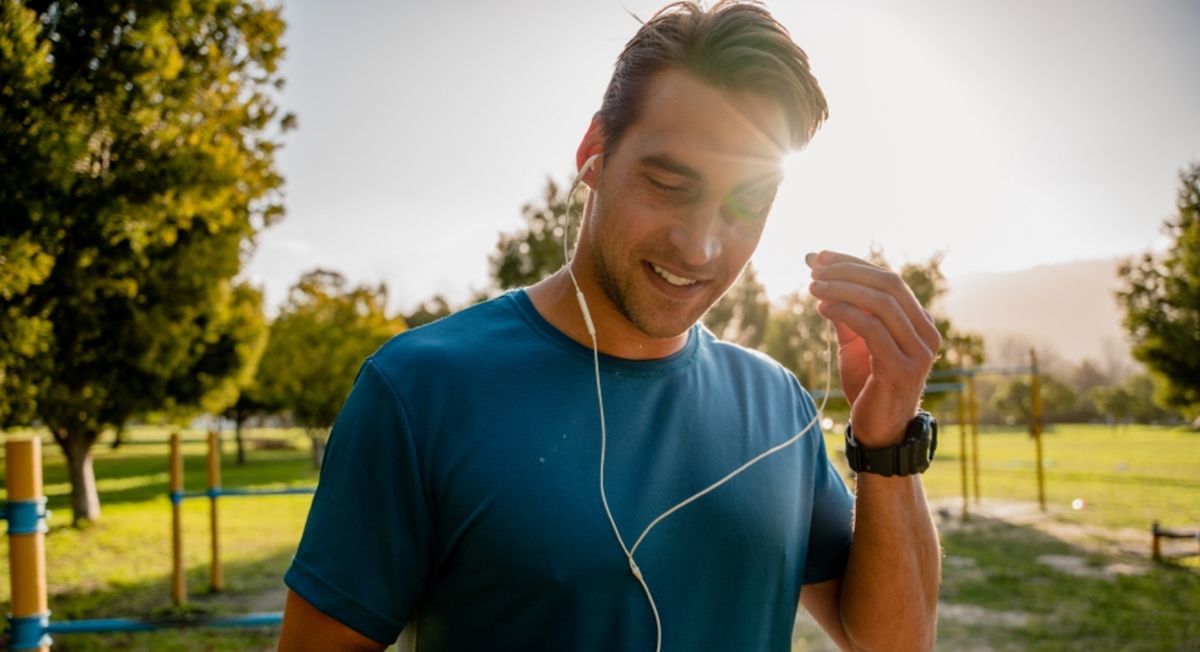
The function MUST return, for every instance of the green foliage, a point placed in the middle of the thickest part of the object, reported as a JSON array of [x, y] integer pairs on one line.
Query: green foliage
[[741, 315], [1130, 401], [796, 339], [136, 166], [1013, 400], [431, 310], [230, 354], [1161, 300], [317, 343], [535, 251], [960, 350]]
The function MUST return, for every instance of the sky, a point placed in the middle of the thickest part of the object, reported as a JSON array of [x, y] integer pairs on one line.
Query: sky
[[1004, 134]]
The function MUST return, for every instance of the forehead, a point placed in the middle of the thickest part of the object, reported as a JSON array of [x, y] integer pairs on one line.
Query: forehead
[[719, 131]]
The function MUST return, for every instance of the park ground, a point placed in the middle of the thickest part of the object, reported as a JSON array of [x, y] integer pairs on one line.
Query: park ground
[[1014, 577]]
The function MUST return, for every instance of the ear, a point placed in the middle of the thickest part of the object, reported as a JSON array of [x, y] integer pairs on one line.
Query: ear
[[591, 145]]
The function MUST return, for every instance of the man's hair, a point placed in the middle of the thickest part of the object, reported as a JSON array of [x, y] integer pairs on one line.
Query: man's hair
[[734, 45]]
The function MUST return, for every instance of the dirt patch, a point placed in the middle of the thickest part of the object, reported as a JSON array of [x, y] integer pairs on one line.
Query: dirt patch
[[1080, 567], [268, 601], [1132, 546], [973, 615]]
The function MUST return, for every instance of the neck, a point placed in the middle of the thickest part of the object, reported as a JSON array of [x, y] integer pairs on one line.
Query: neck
[[555, 300]]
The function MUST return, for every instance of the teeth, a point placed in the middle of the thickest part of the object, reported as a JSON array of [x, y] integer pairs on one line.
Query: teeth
[[671, 278]]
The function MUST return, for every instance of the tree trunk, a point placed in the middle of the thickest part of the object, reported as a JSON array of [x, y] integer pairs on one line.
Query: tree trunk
[[118, 437], [85, 501], [239, 421], [318, 447]]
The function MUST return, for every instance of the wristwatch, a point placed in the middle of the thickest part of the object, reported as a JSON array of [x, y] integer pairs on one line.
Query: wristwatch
[[912, 455]]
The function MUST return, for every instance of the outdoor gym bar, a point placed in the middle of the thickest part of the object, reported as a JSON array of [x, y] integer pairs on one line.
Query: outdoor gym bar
[[214, 491], [29, 624]]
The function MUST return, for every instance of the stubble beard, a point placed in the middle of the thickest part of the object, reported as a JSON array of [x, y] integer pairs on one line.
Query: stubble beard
[[622, 292]]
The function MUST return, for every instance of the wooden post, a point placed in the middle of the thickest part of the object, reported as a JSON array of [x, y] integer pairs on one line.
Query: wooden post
[[962, 447], [973, 410], [215, 575], [26, 545], [1155, 546], [1035, 426], [178, 578]]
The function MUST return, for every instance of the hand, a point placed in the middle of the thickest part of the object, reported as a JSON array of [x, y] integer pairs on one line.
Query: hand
[[886, 343]]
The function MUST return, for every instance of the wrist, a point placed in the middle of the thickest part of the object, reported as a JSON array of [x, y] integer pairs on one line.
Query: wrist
[[910, 455]]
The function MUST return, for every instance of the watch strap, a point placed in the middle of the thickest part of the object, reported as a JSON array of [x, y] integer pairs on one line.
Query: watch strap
[[912, 455]]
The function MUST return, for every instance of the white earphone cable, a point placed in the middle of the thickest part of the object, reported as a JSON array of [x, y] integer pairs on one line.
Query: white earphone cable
[[587, 318]]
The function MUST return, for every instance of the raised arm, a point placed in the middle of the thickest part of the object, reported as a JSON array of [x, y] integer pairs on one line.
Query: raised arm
[[887, 599]]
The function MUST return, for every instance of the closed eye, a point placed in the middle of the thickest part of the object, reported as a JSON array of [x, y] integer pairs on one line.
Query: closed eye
[[666, 188]]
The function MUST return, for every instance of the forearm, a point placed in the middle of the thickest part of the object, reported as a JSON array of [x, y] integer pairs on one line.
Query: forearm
[[889, 593]]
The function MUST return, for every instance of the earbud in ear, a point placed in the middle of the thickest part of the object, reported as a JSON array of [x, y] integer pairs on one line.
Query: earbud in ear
[[588, 164]]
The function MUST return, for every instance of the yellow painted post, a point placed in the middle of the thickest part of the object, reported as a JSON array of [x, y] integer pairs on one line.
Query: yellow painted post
[[26, 549], [962, 447], [1035, 425], [1155, 547], [178, 578], [216, 576], [973, 409]]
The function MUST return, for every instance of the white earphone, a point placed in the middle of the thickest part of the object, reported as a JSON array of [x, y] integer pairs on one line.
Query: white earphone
[[587, 166]]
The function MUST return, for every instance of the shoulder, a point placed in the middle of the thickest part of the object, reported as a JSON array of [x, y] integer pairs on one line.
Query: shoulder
[[741, 360], [453, 336], [755, 375]]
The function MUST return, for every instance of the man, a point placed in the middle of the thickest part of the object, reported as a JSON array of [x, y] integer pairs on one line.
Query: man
[[475, 491]]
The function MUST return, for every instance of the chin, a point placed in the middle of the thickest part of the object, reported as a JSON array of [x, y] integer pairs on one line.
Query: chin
[[662, 322]]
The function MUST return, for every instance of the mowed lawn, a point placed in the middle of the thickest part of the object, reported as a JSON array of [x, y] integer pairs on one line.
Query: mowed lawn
[[1015, 578], [1127, 477], [121, 566], [999, 592]]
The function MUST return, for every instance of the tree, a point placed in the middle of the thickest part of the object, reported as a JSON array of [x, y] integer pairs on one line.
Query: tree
[[536, 251], [1161, 300], [246, 406], [25, 258], [431, 310], [319, 340], [1132, 400], [136, 166], [1013, 400], [960, 350], [741, 315]]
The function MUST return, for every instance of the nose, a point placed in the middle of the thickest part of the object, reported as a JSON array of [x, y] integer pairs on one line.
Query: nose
[[698, 240]]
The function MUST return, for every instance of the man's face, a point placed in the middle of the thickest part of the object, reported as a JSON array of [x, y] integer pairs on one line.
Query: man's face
[[680, 205]]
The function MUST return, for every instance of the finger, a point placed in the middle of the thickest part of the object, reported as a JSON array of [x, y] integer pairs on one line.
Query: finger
[[890, 284], [874, 334], [882, 306], [825, 257]]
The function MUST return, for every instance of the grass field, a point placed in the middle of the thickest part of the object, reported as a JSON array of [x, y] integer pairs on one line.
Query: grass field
[[121, 566], [1014, 579]]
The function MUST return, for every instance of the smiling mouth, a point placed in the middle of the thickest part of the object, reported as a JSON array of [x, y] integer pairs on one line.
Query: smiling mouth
[[677, 281]]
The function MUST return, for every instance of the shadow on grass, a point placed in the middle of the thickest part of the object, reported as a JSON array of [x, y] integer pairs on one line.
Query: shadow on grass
[[250, 586], [144, 476], [1016, 587], [1020, 587]]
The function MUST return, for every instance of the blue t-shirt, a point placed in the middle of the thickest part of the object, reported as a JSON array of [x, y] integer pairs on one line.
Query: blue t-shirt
[[460, 490]]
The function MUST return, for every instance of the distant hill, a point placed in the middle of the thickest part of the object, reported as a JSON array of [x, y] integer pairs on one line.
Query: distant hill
[[1067, 309]]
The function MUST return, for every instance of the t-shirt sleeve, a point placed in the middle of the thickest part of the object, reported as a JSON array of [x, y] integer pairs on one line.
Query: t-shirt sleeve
[[830, 529], [365, 551]]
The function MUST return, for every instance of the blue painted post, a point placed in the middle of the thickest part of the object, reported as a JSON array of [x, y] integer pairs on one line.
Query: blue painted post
[[26, 513]]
